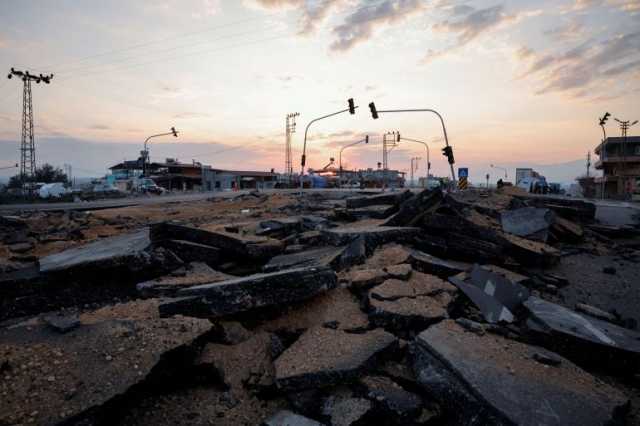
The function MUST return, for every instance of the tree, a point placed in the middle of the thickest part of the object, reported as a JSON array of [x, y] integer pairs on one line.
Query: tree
[[45, 174], [49, 174]]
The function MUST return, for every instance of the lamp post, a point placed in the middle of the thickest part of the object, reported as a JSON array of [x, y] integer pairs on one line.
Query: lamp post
[[501, 168], [352, 110], [365, 140], [447, 150], [145, 152], [603, 153], [426, 147]]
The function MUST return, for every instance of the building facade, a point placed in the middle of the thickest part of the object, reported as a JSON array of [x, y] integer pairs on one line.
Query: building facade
[[620, 164]]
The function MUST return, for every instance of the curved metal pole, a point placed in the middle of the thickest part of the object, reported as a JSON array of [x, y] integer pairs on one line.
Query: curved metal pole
[[144, 164], [427, 147], [501, 168], [340, 156], [444, 129], [304, 146]]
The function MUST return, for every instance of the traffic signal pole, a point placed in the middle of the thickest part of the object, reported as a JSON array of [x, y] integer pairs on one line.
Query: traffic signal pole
[[447, 150], [351, 109]]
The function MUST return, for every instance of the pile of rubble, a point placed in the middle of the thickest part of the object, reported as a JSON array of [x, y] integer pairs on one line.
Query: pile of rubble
[[394, 308]]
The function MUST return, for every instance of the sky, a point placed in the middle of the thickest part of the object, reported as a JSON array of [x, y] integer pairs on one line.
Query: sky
[[517, 82]]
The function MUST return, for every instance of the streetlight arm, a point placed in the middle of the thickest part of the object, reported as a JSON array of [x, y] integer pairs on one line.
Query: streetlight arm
[[155, 136], [426, 146], [306, 130], [347, 146]]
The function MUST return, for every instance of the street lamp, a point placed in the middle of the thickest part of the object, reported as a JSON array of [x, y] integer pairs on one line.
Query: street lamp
[[447, 150], [425, 145], [352, 110], [501, 168], [365, 140], [145, 152]]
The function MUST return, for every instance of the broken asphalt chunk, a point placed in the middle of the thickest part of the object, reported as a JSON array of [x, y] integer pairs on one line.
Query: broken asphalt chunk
[[527, 222], [413, 305], [231, 245], [194, 252], [323, 357], [549, 318], [374, 236], [196, 273], [251, 292], [402, 406], [491, 380], [429, 264], [77, 373], [414, 208], [324, 256], [394, 198], [289, 418]]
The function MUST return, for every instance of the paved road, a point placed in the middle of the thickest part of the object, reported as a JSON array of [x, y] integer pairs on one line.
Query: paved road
[[137, 201], [120, 202]]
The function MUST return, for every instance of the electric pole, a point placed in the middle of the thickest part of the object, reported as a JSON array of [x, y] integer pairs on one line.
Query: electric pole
[[290, 129], [388, 143], [27, 146], [588, 162]]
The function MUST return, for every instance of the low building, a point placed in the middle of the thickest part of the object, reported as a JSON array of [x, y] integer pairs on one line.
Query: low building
[[176, 176], [620, 164], [230, 180]]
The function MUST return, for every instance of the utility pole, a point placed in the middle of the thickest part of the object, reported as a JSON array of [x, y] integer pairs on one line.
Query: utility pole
[[603, 153], [588, 162], [389, 141], [290, 129], [27, 145], [624, 128]]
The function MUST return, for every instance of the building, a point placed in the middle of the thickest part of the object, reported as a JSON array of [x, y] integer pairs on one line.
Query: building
[[523, 173], [620, 164], [230, 180], [176, 176]]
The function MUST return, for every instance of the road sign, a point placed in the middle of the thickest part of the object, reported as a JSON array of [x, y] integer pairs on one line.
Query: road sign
[[463, 172]]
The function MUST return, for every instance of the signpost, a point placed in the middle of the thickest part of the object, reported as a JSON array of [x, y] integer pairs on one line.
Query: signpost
[[463, 175]]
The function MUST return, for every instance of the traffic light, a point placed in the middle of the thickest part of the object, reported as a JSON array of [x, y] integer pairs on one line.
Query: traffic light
[[374, 111], [398, 137], [366, 139], [352, 106], [174, 131], [447, 151], [304, 160]]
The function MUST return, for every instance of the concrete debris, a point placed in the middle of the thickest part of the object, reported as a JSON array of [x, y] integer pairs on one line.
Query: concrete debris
[[323, 357], [247, 293], [53, 378], [400, 272], [491, 380], [527, 222], [195, 273], [381, 211]]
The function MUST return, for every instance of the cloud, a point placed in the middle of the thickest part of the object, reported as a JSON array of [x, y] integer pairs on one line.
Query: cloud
[[587, 68], [359, 26], [631, 6], [189, 115], [569, 31], [313, 13], [468, 23], [99, 127]]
